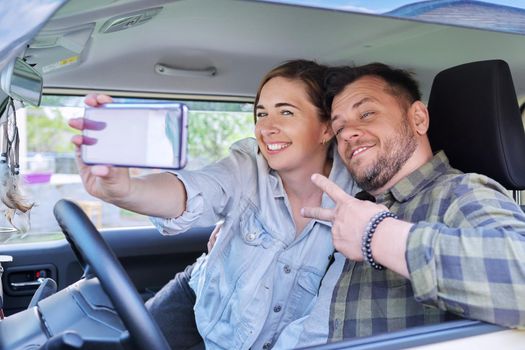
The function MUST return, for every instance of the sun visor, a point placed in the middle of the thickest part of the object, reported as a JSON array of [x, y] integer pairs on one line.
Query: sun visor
[[60, 49]]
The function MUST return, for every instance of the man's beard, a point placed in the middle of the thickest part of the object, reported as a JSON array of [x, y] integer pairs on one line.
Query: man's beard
[[398, 149]]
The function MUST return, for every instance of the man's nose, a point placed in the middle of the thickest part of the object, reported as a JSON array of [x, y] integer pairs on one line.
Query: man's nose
[[350, 133]]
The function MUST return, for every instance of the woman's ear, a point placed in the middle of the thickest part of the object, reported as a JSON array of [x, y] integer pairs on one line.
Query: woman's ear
[[418, 114]]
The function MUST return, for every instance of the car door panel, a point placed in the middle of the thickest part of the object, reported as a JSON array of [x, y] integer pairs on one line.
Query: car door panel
[[150, 259], [55, 256]]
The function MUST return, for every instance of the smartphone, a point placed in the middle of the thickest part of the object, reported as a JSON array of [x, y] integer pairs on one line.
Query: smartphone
[[136, 135]]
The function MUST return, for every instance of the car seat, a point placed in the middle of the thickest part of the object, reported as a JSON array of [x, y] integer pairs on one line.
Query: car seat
[[475, 119]]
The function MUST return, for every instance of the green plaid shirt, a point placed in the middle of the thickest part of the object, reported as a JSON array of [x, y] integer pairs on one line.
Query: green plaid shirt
[[465, 255]]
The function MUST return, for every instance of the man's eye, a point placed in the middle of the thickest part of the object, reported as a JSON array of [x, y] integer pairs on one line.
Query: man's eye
[[261, 114]]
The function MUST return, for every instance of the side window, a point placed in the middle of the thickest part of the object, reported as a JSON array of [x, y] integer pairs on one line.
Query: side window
[[49, 173]]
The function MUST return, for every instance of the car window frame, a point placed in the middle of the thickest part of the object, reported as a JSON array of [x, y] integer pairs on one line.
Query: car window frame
[[415, 336]]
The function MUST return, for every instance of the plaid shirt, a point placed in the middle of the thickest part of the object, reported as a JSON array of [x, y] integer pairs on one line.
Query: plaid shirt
[[465, 255]]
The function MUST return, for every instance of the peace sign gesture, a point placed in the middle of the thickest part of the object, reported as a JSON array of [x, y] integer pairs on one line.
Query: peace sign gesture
[[349, 219]]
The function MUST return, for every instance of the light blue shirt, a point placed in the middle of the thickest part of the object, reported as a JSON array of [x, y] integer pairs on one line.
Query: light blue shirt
[[260, 276], [312, 329]]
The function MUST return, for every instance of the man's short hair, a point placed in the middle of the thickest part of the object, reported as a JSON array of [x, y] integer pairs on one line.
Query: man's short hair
[[400, 82]]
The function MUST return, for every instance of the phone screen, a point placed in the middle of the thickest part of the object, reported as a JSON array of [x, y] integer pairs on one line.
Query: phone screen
[[136, 135]]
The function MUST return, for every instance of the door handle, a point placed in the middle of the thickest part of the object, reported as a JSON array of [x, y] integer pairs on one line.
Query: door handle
[[25, 280], [18, 285]]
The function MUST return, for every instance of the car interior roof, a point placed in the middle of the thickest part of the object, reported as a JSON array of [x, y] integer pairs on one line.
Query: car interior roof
[[242, 40]]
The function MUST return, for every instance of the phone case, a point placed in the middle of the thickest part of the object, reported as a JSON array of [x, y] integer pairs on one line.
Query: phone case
[[136, 135]]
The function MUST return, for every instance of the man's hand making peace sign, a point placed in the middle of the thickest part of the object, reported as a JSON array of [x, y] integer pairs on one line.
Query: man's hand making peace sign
[[349, 219]]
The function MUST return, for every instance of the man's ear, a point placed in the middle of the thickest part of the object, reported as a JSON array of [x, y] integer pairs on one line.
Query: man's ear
[[418, 114]]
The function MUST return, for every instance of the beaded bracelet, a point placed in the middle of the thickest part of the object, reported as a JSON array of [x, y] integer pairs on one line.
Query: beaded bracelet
[[366, 245]]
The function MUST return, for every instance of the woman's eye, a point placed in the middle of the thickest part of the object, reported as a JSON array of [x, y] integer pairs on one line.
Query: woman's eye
[[261, 114], [286, 112], [338, 131], [366, 115]]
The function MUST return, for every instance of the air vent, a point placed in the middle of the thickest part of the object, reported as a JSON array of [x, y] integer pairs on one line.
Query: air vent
[[129, 20]]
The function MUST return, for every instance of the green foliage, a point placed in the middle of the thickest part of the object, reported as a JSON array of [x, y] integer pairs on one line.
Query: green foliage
[[47, 131], [213, 127], [218, 106], [212, 133]]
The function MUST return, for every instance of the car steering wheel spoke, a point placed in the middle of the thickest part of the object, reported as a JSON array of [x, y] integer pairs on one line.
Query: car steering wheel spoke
[[96, 256]]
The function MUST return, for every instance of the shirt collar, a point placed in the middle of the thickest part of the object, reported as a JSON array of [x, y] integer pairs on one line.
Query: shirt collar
[[276, 184], [412, 184]]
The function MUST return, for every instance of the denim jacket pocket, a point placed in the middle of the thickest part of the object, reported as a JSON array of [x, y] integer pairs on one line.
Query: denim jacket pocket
[[305, 291], [309, 281], [252, 230], [250, 233]]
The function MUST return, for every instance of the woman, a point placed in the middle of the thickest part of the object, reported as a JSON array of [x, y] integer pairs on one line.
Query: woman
[[266, 266]]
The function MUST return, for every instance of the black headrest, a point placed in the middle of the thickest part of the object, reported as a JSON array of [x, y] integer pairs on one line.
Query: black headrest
[[475, 119]]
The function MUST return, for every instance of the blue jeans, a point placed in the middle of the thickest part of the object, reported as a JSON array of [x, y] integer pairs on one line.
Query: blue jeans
[[172, 309]]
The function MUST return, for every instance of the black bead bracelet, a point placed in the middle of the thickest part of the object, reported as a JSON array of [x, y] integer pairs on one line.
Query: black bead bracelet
[[366, 245]]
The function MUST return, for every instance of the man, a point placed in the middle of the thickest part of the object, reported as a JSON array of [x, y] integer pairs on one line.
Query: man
[[456, 248]]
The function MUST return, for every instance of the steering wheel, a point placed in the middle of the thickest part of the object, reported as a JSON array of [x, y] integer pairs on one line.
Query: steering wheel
[[95, 255]]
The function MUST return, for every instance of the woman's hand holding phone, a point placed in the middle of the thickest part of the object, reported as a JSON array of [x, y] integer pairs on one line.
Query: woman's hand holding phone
[[111, 184], [157, 194]]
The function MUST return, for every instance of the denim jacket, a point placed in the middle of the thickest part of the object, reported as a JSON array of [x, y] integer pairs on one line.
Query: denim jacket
[[259, 276]]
